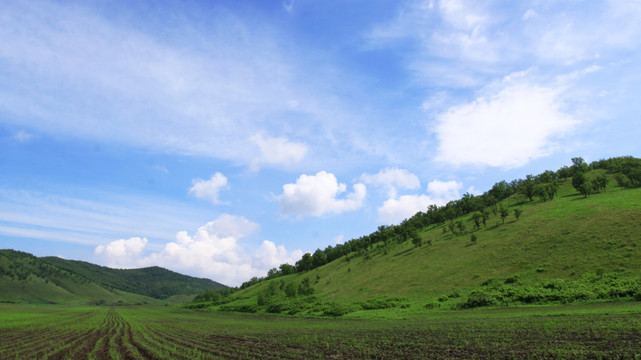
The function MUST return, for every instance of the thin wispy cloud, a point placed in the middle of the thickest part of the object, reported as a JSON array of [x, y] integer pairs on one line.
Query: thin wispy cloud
[[184, 94]]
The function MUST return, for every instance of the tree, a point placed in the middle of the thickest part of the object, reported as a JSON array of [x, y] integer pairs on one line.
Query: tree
[[416, 239], [541, 191], [578, 165], [473, 238], [528, 187], [319, 258], [460, 226], [600, 182], [551, 190], [305, 263], [290, 290], [452, 227], [304, 288], [586, 189], [578, 181], [287, 269], [621, 180], [476, 217], [486, 216], [503, 212], [517, 213]]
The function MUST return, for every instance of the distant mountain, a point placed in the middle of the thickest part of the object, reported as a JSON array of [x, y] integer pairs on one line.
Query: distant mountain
[[27, 278]]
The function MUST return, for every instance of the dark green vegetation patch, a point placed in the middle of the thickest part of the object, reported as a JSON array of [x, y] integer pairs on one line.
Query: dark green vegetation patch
[[26, 278]]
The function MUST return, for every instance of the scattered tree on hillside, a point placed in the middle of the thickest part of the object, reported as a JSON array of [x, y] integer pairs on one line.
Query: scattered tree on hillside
[[503, 212], [452, 227], [476, 217], [305, 263], [528, 187], [622, 180], [601, 182], [473, 238], [319, 258], [578, 166], [485, 216], [460, 226], [304, 288], [578, 181], [517, 213], [290, 290], [416, 239], [286, 269], [586, 189]]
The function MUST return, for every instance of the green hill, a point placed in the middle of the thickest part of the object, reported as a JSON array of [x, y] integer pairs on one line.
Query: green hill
[[26, 278], [572, 247]]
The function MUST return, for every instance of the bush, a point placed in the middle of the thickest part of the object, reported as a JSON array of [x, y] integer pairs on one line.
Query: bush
[[240, 308], [335, 309], [478, 299], [380, 303]]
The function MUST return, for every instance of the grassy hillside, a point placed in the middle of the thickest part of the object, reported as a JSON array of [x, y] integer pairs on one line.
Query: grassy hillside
[[26, 278], [571, 248]]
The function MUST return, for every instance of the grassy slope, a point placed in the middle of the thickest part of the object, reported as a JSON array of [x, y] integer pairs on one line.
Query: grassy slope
[[563, 238], [26, 278]]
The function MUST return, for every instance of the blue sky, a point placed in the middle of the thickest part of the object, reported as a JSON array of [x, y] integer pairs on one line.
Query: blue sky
[[222, 138]]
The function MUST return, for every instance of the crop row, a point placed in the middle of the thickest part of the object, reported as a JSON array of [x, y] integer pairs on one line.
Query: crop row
[[166, 333]]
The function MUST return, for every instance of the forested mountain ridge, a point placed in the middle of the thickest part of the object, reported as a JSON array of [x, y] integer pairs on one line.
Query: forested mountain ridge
[[560, 236], [27, 278]]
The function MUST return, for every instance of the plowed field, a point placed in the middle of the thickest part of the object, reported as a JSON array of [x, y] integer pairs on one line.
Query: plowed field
[[53, 332]]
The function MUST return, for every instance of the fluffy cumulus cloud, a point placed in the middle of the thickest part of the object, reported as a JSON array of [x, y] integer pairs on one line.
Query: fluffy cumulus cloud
[[394, 210], [277, 151], [209, 189], [504, 127], [318, 194], [269, 255], [391, 179], [444, 190], [123, 252], [212, 251]]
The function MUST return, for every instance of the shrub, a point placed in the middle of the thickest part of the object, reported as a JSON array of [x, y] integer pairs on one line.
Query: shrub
[[478, 299], [335, 309]]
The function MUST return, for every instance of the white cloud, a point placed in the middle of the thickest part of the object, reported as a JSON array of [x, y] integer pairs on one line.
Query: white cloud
[[507, 126], [394, 210], [391, 178], [209, 189], [318, 194], [202, 88], [161, 168], [270, 256], [339, 239], [277, 151], [122, 253], [444, 190], [22, 136], [212, 251], [530, 13], [231, 226], [288, 5]]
